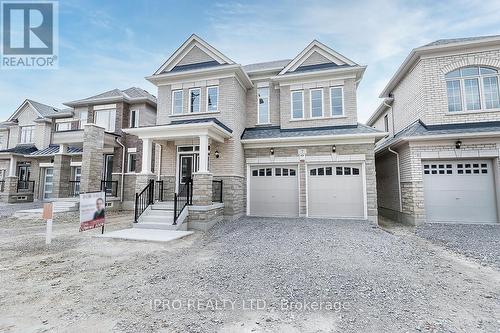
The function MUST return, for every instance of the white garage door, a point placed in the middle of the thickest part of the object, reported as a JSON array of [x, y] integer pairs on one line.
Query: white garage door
[[459, 191], [335, 191], [274, 191]]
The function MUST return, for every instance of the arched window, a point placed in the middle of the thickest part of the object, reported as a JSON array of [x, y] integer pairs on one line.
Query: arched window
[[473, 88]]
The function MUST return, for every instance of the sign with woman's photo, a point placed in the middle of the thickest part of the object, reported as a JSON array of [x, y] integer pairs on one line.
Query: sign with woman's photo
[[92, 214]]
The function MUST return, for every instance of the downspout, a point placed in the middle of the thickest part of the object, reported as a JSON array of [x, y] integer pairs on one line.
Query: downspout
[[123, 169], [159, 162], [392, 116], [399, 179]]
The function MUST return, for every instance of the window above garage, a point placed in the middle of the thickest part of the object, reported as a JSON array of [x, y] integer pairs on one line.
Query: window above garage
[[337, 171]]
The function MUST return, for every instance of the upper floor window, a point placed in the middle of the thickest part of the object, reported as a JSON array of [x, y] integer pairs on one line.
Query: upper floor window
[[106, 119], [177, 102], [134, 119], [83, 118], [297, 104], [194, 100], [472, 88], [212, 99], [27, 134], [337, 101], [132, 161], [263, 105], [316, 99]]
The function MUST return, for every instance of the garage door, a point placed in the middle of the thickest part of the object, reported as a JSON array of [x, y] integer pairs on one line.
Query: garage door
[[459, 191], [335, 191], [274, 191]]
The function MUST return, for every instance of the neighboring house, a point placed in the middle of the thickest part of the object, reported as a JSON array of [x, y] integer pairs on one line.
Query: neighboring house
[[282, 136], [440, 162], [49, 153]]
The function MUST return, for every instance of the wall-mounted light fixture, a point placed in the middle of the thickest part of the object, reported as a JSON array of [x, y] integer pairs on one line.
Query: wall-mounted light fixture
[[458, 144], [271, 151], [334, 149], [217, 154]]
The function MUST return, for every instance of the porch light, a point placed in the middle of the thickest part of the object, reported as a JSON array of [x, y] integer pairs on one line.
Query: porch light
[[271, 151], [217, 154], [458, 144], [334, 149]]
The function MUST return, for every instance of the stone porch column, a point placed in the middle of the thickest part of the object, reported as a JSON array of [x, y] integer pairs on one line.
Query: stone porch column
[[62, 174], [92, 158], [202, 188]]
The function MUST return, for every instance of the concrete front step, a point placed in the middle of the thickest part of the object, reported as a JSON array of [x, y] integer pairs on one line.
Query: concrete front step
[[160, 212], [167, 205], [152, 225], [157, 219]]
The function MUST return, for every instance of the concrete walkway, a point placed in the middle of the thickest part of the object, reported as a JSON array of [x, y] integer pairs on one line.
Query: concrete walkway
[[150, 235]]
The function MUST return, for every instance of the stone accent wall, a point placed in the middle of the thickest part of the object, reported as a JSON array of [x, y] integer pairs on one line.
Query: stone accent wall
[[10, 188], [204, 219], [202, 189], [62, 176], [92, 160], [302, 189], [233, 194]]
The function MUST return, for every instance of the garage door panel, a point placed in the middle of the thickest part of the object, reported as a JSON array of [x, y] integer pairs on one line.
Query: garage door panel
[[336, 194], [459, 191], [272, 194]]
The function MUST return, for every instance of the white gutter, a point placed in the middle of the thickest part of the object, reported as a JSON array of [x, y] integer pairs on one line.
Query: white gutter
[[392, 116], [399, 180], [317, 137], [123, 169]]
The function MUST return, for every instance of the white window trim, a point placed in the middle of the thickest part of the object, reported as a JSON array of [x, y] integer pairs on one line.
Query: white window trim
[[189, 101], [32, 135], [206, 104], [482, 100], [268, 106], [136, 125], [108, 128], [322, 103], [291, 105], [331, 102], [173, 102], [129, 164]]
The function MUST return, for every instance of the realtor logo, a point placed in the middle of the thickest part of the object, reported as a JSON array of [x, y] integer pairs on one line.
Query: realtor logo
[[29, 34]]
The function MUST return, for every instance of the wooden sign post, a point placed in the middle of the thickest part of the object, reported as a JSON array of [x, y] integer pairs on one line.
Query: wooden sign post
[[48, 213]]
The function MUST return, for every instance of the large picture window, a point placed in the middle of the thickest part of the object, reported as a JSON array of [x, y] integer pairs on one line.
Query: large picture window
[[106, 119], [27, 134], [472, 88]]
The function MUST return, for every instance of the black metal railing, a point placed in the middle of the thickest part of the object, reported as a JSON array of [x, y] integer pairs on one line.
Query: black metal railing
[[144, 199], [159, 190], [110, 187], [74, 188], [183, 198], [217, 191], [2, 185], [26, 186]]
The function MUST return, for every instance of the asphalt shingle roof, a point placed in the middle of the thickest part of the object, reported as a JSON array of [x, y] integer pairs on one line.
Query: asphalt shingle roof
[[267, 65], [43, 109], [202, 120], [418, 128], [20, 149], [458, 40], [130, 93], [272, 132], [198, 65]]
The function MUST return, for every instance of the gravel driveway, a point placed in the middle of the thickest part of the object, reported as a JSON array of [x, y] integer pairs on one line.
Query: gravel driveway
[[248, 275], [477, 241], [8, 209]]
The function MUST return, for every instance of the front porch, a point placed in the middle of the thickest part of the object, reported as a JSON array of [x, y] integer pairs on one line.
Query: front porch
[[186, 189]]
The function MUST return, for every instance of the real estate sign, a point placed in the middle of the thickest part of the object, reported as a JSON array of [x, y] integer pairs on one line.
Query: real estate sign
[[92, 213]]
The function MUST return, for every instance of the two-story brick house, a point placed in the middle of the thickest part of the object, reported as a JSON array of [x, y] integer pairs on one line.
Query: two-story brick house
[[283, 135], [49, 153], [440, 162]]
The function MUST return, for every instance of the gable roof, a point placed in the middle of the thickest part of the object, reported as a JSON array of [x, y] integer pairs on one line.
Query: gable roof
[[193, 42], [20, 150], [439, 45], [130, 95], [276, 65], [42, 110], [317, 48]]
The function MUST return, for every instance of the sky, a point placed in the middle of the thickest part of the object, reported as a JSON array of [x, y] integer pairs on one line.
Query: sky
[[114, 44]]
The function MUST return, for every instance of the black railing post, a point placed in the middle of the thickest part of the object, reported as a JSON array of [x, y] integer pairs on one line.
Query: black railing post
[[175, 208], [136, 207], [221, 190]]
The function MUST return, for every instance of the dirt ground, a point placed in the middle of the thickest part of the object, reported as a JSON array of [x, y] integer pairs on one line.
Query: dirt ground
[[374, 280]]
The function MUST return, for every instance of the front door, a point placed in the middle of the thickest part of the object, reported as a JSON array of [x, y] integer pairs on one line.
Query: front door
[[77, 178], [24, 172], [48, 183], [108, 173], [188, 163]]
